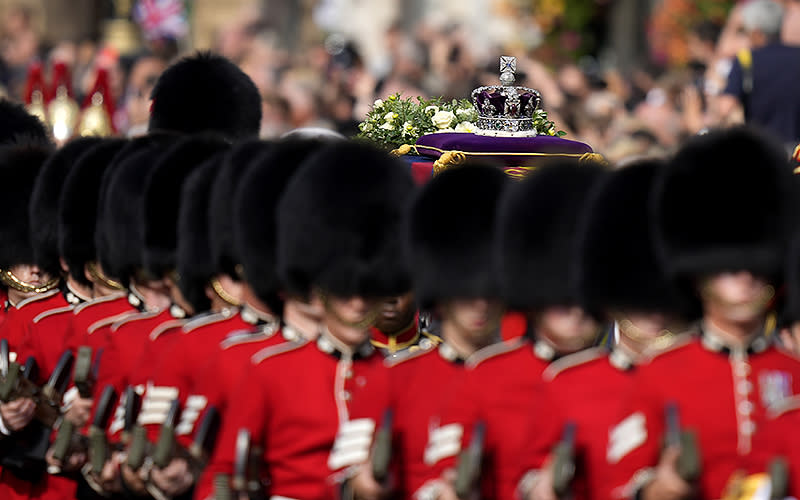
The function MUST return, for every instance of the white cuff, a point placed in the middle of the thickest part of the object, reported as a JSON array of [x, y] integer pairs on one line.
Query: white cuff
[[3, 429], [527, 483], [429, 491]]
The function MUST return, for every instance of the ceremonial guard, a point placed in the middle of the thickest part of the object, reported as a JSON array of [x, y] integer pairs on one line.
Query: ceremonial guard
[[620, 276], [537, 227], [719, 382], [449, 242], [338, 240]]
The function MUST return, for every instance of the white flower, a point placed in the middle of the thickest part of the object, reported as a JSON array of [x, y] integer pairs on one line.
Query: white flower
[[443, 119], [432, 110], [463, 111], [389, 117], [387, 126], [409, 129], [378, 103], [465, 127]]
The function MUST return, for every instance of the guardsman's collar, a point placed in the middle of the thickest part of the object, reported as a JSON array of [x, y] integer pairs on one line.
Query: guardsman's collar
[[406, 337], [135, 298], [73, 296], [544, 350], [448, 353], [713, 340], [253, 316], [329, 344]]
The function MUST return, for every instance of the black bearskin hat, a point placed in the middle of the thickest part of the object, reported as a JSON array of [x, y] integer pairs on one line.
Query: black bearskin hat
[[162, 198], [223, 198], [339, 223], [17, 124], [20, 164], [44, 204], [449, 234], [195, 265], [77, 213], [537, 234], [618, 266], [255, 218], [721, 205], [206, 93]]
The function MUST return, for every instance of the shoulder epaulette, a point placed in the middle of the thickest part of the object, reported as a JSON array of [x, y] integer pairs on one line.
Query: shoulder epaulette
[[167, 325], [207, 319], [785, 405], [53, 312], [98, 300], [37, 298], [405, 355], [573, 360], [109, 321], [134, 317], [240, 337], [275, 350], [494, 350]]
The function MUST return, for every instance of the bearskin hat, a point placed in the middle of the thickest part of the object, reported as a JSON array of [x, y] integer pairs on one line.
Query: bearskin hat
[[162, 198], [449, 233], [120, 234], [339, 223], [77, 212], [618, 266], [721, 205], [20, 164], [255, 218], [195, 265], [537, 234], [223, 198], [206, 93], [44, 204], [17, 124]]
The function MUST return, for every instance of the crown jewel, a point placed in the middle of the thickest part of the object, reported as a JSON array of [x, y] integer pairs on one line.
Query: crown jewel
[[506, 109]]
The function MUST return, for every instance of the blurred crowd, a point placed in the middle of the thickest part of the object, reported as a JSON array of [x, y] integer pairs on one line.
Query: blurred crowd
[[328, 84]]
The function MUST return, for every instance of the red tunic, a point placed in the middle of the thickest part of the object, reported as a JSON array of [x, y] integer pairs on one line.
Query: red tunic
[[782, 436], [417, 404], [20, 317], [593, 406], [91, 316], [502, 388], [315, 420], [722, 394]]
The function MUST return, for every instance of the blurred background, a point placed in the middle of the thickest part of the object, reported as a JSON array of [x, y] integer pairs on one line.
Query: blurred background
[[626, 76]]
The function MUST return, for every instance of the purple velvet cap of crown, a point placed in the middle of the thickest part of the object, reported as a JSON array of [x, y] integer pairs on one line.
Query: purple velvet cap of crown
[[428, 144]]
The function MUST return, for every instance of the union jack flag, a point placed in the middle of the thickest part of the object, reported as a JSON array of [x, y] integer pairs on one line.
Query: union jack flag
[[161, 18]]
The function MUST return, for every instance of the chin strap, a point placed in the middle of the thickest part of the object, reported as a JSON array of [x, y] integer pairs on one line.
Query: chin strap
[[101, 278], [223, 294], [8, 278]]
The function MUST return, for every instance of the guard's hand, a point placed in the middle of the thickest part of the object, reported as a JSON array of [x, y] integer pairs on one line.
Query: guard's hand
[[365, 487], [79, 411], [73, 463], [667, 484], [174, 479], [18, 413], [448, 491], [110, 478], [542, 488], [135, 480]]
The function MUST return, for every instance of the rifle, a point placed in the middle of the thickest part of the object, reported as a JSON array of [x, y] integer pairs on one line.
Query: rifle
[[86, 371], [688, 466], [382, 449], [779, 478], [564, 460], [246, 471], [469, 463], [20, 383]]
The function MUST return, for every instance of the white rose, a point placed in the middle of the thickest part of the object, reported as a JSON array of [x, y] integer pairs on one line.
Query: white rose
[[389, 117], [463, 111], [387, 126], [432, 110], [443, 119], [465, 127], [378, 103]]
